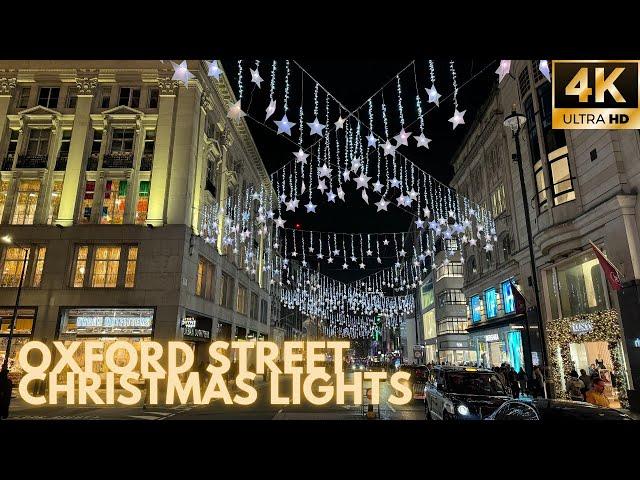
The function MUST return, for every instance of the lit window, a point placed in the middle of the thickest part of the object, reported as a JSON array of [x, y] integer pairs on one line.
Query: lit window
[[429, 324], [476, 308], [4, 188], [14, 259], [56, 193], [87, 202], [105, 267], [508, 298], [498, 200], [561, 176], [200, 277], [452, 269], [491, 302], [142, 206], [115, 195], [132, 259], [426, 295], [27, 199], [81, 266], [241, 303], [37, 276]]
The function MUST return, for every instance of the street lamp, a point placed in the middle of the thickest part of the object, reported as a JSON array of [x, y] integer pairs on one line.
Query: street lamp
[[7, 239], [515, 121]]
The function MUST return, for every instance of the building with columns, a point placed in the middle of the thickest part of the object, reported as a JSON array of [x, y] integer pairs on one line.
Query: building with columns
[[106, 168], [581, 187]]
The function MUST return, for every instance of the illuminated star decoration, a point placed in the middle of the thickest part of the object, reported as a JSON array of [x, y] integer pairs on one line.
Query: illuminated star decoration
[[235, 112], [382, 205], [388, 148], [345, 266], [284, 125], [331, 197], [419, 223], [385, 242], [214, 70], [181, 73], [346, 174], [362, 181], [395, 183], [322, 186], [324, 171], [292, 204], [316, 127], [365, 197], [270, 109], [340, 193], [422, 140], [544, 69], [310, 207], [377, 187], [402, 137], [355, 165], [301, 157], [340, 123], [280, 222], [255, 76], [434, 96], [458, 118], [401, 200], [371, 140], [503, 69]]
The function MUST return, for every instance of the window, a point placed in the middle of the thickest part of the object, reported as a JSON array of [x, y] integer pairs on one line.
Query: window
[[537, 74], [13, 143], [96, 143], [451, 297], [38, 144], [149, 142], [72, 98], [241, 300], [154, 95], [48, 97], [142, 207], [4, 189], [488, 259], [122, 140], [132, 260], [87, 202], [453, 325], [429, 324], [476, 308], [56, 193], [82, 254], [26, 201], [451, 244], [452, 269], [15, 258], [523, 82], [532, 130], [553, 139], [426, 295], [508, 299], [205, 279], [263, 311], [576, 287], [65, 144], [491, 302], [540, 185], [23, 97], [561, 176], [105, 97], [254, 306], [226, 291], [506, 247], [498, 200], [115, 196], [37, 275], [129, 97], [472, 267], [105, 267]]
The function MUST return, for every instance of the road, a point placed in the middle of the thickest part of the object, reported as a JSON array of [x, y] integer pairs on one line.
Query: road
[[217, 410]]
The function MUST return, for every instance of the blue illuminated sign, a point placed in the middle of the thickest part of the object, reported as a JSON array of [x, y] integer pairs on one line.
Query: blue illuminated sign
[[507, 297], [476, 309], [491, 303]]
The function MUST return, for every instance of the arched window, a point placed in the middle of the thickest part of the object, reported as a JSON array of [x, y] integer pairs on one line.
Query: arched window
[[505, 244]]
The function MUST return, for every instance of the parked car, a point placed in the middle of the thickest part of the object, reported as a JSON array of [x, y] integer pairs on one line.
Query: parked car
[[418, 378], [462, 393], [555, 410]]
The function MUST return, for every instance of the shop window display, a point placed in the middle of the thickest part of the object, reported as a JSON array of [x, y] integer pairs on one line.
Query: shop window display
[[476, 309], [21, 334], [491, 303], [508, 298]]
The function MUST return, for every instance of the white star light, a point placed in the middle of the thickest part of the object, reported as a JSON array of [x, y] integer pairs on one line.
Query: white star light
[[377, 187], [369, 253], [322, 186], [320, 256], [503, 69], [378, 259], [280, 222], [402, 138], [301, 157], [284, 125], [345, 266], [473, 242], [292, 204], [336, 252], [346, 175], [402, 253], [395, 183], [434, 96], [355, 165], [340, 123], [331, 197], [270, 109], [544, 69], [488, 247], [340, 193], [388, 148], [422, 140], [458, 118], [214, 70], [235, 112], [330, 260], [419, 223], [283, 198], [255, 76], [413, 195], [353, 259], [382, 205], [401, 200], [427, 212], [371, 140], [324, 171], [362, 265], [316, 127], [181, 73], [362, 181], [385, 242]]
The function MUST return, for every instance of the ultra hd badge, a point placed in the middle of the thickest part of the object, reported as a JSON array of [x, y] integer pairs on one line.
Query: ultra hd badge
[[595, 94]]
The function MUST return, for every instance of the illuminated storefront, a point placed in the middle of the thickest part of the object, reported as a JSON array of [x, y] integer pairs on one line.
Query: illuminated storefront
[[196, 332], [22, 333]]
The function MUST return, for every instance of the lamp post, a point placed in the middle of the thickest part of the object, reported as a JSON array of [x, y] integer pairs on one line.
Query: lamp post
[[515, 121]]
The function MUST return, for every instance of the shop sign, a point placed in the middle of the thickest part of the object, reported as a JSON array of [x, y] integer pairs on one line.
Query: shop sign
[[417, 351], [190, 328], [492, 337], [581, 327], [113, 322]]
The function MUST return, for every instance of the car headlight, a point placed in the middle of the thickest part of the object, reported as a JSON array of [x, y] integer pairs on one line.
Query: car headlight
[[463, 410]]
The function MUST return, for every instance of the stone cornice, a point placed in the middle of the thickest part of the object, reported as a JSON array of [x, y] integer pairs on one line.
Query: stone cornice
[[7, 86]]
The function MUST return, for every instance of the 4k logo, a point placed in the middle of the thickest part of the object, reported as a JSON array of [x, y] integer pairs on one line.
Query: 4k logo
[[591, 94]]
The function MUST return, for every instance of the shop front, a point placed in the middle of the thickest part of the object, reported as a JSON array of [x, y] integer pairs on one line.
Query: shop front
[[22, 333], [455, 351], [106, 324], [500, 342], [196, 332]]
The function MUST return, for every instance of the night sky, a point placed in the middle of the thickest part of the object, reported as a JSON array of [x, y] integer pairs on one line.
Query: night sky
[[352, 82]]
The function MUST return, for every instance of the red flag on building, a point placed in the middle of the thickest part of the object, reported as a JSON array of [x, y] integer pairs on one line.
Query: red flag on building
[[521, 304], [610, 271]]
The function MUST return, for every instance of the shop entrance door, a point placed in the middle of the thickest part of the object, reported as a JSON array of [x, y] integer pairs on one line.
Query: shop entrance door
[[595, 358]]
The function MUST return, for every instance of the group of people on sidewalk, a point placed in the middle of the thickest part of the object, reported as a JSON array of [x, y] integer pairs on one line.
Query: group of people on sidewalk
[[587, 388]]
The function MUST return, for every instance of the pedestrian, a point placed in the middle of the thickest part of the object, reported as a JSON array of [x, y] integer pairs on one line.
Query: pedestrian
[[575, 386], [586, 380], [538, 382], [522, 379], [592, 370], [6, 386], [513, 379], [596, 396]]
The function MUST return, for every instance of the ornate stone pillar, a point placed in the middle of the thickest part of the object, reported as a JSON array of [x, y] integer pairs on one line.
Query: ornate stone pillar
[[227, 141], [7, 87]]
